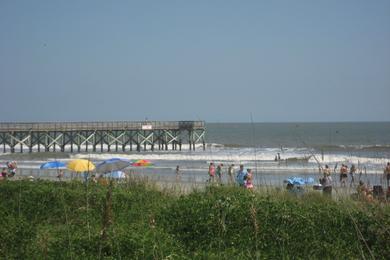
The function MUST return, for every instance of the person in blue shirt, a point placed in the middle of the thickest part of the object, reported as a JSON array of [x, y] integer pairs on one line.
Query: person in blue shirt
[[241, 176]]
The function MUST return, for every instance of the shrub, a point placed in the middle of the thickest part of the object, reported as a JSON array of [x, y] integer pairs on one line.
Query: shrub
[[136, 220]]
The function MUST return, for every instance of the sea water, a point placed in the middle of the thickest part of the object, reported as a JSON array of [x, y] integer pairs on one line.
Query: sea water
[[255, 145]]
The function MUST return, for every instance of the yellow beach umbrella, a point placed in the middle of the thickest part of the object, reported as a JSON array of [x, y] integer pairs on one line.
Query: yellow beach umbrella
[[81, 165]]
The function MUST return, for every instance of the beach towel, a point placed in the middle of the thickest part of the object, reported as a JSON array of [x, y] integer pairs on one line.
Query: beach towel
[[300, 181]]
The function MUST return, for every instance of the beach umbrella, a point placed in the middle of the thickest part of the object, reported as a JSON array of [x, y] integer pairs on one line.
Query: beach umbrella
[[53, 165], [116, 175], [114, 164], [81, 165], [142, 163]]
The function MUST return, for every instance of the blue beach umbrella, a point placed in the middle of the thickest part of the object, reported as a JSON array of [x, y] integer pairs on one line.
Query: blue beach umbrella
[[53, 165], [111, 165]]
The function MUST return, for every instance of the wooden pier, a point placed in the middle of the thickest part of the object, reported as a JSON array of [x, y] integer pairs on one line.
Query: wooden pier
[[101, 136]]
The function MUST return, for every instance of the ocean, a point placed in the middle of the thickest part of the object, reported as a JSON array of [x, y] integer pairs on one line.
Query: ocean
[[255, 145]]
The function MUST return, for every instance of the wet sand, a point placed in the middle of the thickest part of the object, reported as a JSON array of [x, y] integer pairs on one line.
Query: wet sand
[[190, 180]]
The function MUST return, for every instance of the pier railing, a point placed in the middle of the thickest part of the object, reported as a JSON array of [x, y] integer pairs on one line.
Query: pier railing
[[114, 125]]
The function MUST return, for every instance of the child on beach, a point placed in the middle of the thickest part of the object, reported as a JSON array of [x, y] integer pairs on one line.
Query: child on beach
[[211, 172], [219, 173], [249, 180]]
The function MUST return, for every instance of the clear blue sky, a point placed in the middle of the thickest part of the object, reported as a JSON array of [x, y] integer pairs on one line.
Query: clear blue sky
[[187, 60]]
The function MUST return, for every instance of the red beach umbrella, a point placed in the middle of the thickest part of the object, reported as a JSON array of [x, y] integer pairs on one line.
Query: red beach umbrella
[[142, 163]]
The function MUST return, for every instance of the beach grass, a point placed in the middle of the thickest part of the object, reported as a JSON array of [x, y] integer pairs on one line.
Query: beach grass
[[139, 219]]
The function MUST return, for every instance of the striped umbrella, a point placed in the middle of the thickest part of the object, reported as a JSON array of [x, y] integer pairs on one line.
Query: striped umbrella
[[111, 165], [142, 163]]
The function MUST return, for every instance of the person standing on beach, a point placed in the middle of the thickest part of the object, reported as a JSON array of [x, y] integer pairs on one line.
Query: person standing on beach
[[231, 174], [241, 176], [386, 175], [60, 175], [326, 175], [178, 173], [352, 172], [219, 173], [211, 172], [343, 175], [326, 171], [327, 181]]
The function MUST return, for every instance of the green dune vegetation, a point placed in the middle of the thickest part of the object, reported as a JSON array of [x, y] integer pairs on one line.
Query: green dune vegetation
[[138, 220]]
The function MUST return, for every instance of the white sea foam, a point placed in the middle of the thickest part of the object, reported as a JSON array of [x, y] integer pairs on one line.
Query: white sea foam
[[238, 155], [218, 153]]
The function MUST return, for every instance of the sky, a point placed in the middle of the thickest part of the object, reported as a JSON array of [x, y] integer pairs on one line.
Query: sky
[[214, 60]]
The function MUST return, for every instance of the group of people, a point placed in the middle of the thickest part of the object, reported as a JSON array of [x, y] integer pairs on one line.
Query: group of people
[[9, 171], [345, 171], [363, 191], [343, 175], [244, 178], [215, 173]]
